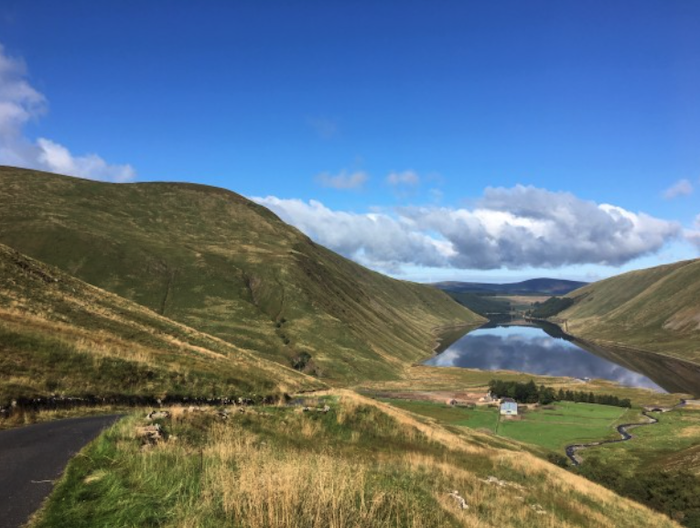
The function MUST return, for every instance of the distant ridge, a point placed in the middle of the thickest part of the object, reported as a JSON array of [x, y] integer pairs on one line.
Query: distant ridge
[[541, 286]]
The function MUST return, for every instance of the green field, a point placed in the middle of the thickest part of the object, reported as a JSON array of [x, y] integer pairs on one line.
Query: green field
[[553, 429], [478, 418], [673, 443], [567, 423]]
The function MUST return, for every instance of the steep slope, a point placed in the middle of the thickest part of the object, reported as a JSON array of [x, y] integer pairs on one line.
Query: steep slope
[[656, 309], [217, 262], [59, 335], [362, 464]]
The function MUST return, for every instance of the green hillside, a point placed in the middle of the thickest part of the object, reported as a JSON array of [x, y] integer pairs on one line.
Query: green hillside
[[217, 262], [359, 463], [59, 335], [656, 309]]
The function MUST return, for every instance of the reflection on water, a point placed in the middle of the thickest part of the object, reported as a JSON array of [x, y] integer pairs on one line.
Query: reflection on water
[[530, 349]]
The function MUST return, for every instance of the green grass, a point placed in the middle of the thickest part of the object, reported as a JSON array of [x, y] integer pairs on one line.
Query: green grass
[[673, 443], [477, 418], [566, 424], [360, 464], [654, 309], [60, 336], [481, 304], [554, 429], [219, 263]]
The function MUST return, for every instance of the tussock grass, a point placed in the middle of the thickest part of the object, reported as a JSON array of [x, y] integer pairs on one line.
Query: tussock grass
[[366, 465], [60, 336]]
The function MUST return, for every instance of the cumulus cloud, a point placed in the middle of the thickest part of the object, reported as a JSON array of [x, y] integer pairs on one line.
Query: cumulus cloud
[[373, 239], [343, 180], [508, 228], [20, 103], [680, 188], [693, 236], [407, 178]]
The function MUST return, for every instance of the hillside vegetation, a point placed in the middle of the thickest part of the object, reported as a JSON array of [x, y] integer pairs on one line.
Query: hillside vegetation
[[481, 304], [656, 309], [348, 461], [217, 262], [541, 286], [61, 336]]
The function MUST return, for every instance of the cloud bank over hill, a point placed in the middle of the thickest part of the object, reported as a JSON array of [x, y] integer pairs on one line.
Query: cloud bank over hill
[[510, 228], [20, 103]]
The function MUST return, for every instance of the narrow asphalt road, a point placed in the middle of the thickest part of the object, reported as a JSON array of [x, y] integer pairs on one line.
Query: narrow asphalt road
[[33, 457]]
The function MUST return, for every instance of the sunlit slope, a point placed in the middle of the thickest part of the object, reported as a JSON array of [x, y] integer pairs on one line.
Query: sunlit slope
[[59, 335], [656, 309], [220, 263], [360, 464]]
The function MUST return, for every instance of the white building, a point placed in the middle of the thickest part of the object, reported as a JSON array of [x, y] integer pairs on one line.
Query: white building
[[509, 407]]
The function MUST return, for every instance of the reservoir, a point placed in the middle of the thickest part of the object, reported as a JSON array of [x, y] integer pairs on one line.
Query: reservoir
[[544, 350]]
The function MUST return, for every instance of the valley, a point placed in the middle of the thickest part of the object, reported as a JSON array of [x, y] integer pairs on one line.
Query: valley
[[264, 346]]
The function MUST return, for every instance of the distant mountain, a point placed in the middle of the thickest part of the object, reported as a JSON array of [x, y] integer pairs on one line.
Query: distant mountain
[[217, 262], [542, 286], [656, 309]]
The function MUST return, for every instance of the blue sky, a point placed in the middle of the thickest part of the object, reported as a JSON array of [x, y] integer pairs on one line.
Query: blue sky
[[410, 136]]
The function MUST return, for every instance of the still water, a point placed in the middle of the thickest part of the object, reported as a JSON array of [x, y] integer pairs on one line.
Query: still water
[[532, 350]]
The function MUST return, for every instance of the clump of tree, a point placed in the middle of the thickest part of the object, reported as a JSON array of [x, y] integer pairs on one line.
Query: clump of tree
[[550, 307], [522, 392], [589, 397], [530, 393]]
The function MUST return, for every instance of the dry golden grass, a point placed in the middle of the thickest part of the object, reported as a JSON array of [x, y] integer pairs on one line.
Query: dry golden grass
[[364, 464]]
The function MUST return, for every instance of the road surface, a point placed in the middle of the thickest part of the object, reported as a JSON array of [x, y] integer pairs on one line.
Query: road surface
[[33, 457]]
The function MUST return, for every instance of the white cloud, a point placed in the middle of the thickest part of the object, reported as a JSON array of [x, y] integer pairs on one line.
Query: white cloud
[[58, 159], [680, 188], [343, 180], [693, 235], [407, 178], [19, 104], [508, 228], [373, 239]]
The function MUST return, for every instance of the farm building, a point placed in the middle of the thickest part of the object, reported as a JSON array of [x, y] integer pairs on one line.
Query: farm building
[[509, 407]]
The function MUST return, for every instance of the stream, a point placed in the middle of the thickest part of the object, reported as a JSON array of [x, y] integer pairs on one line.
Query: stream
[[623, 430]]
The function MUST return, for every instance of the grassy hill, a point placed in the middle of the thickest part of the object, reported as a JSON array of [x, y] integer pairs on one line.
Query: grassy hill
[[656, 309], [362, 463], [217, 262], [59, 335]]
